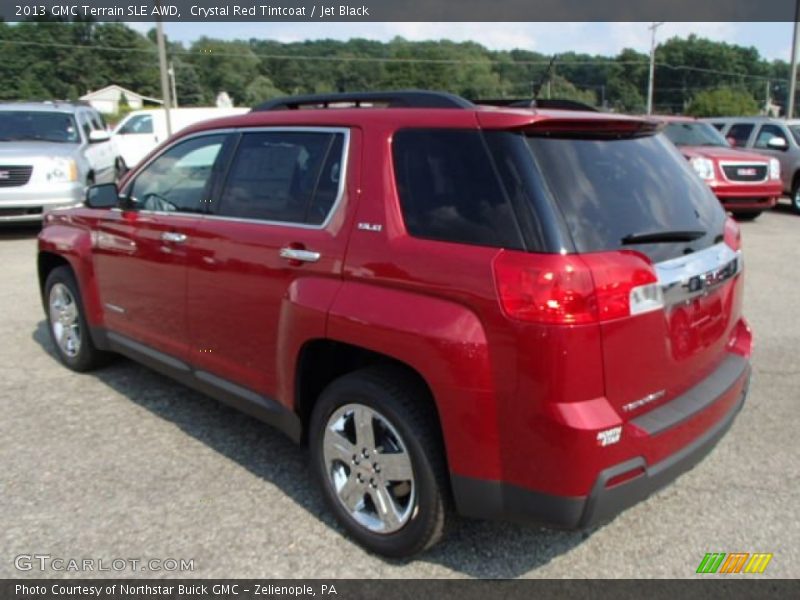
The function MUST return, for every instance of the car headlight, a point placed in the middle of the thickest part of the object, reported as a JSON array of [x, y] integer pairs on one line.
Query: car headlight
[[774, 168], [703, 167], [62, 170]]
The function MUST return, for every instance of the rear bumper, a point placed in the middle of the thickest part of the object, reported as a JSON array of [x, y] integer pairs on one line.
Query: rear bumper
[[498, 500]]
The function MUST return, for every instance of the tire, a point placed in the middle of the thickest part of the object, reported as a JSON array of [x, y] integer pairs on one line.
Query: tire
[[420, 505], [67, 324], [747, 216], [795, 197]]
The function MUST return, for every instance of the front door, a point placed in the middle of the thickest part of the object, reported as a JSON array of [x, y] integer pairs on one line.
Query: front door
[[141, 254]]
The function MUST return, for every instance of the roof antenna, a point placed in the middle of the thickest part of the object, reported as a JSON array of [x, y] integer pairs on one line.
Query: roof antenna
[[547, 74]]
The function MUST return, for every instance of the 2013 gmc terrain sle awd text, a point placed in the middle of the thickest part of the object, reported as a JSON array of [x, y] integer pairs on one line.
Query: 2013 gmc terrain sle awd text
[[505, 313]]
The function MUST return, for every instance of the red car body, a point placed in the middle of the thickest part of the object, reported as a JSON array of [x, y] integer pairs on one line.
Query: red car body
[[559, 420], [741, 180]]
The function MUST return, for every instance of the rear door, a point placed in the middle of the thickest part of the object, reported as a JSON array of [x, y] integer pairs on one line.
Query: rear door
[[140, 253], [266, 265], [614, 192]]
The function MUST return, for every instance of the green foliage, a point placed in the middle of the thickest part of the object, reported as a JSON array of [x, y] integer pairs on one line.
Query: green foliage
[[723, 102], [51, 59]]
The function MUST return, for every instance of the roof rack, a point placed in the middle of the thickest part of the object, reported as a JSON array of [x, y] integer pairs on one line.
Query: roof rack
[[554, 103], [387, 99]]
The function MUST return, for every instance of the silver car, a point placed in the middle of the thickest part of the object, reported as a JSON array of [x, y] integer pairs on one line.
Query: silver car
[[778, 138], [49, 153]]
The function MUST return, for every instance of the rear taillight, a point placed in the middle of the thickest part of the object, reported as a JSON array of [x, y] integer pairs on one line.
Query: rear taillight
[[732, 235], [575, 289]]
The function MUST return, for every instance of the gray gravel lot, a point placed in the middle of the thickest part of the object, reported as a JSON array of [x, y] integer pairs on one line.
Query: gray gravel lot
[[124, 463]]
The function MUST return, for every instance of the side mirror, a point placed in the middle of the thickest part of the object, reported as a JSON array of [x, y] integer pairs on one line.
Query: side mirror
[[96, 136], [104, 195], [777, 143]]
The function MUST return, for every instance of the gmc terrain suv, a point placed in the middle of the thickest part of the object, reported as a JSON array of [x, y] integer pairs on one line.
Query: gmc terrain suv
[[776, 138], [507, 313], [49, 153], [746, 183]]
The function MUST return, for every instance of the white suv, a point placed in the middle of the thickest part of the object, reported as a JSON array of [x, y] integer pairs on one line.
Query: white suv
[[49, 153]]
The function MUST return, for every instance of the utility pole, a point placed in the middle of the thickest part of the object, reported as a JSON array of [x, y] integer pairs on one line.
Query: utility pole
[[162, 64], [171, 72], [767, 98], [650, 83], [793, 78]]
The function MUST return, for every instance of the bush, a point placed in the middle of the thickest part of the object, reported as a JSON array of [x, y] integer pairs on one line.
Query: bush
[[722, 102]]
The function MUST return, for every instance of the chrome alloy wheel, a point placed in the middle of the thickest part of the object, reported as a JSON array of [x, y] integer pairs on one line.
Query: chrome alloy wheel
[[369, 468], [796, 198], [64, 320]]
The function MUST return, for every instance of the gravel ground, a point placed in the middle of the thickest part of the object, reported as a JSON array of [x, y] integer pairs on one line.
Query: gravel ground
[[124, 463]]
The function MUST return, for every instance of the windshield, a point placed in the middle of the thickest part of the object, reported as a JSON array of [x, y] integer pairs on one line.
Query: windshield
[[611, 192], [18, 125], [694, 134]]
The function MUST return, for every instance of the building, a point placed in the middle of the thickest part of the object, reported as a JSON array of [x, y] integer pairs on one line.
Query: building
[[107, 100]]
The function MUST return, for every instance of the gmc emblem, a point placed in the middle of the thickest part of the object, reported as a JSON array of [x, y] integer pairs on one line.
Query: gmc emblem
[[5, 175], [747, 172]]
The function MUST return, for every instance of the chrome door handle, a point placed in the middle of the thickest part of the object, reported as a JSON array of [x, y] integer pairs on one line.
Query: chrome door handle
[[298, 254], [175, 238]]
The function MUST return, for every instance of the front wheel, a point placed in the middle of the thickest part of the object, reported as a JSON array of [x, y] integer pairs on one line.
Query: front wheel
[[67, 323], [377, 455], [747, 216], [796, 196]]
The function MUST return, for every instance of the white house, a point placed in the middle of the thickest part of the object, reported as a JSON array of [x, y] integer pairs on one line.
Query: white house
[[107, 99]]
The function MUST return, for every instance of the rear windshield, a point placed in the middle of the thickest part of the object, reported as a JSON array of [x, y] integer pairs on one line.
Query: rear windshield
[[608, 190], [508, 190]]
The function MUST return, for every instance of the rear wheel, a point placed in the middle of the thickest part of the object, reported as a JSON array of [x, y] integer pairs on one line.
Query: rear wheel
[[376, 453], [747, 216], [67, 323]]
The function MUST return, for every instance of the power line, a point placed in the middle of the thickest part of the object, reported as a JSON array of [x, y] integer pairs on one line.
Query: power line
[[601, 63]]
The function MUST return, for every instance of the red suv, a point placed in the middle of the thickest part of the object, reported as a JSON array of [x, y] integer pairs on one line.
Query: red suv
[[746, 183], [507, 313]]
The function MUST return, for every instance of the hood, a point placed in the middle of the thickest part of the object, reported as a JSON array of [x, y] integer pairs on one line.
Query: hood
[[14, 151], [722, 153]]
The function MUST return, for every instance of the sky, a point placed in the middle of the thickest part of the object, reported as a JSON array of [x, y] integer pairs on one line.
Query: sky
[[773, 40]]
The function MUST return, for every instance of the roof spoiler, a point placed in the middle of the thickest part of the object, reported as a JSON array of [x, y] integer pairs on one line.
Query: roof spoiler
[[545, 103]]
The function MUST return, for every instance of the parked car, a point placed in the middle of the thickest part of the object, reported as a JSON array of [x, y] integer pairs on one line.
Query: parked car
[[521, 314], [142, 130], [777, 138], [49, 153], [746, 183]]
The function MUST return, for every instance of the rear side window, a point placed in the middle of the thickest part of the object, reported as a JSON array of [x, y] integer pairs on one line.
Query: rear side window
[[613, 188], [285, 176], [449, 190], [740, 133]]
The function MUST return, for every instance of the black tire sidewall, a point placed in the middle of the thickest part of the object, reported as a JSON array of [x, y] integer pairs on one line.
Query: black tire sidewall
[[796, 197], [414, 535], [86, 356]]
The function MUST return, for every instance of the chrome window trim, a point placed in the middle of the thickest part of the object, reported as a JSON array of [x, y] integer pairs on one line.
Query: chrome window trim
[[684, 278], [345, 131], [744, 163]]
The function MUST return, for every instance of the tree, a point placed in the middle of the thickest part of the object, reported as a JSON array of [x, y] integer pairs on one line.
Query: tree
[[723, 102], [261, 89]]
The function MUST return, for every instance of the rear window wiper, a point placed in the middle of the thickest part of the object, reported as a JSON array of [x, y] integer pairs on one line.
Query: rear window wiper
[[660, 237]]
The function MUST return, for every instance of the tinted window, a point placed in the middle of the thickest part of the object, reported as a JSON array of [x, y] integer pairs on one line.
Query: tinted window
[[449, 190], [83, 120], [17, 125], [137, 124], [179, 179], [740, 132], [718, 126], [609, 189], [694, 134], [284, 176], [766, 133]]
